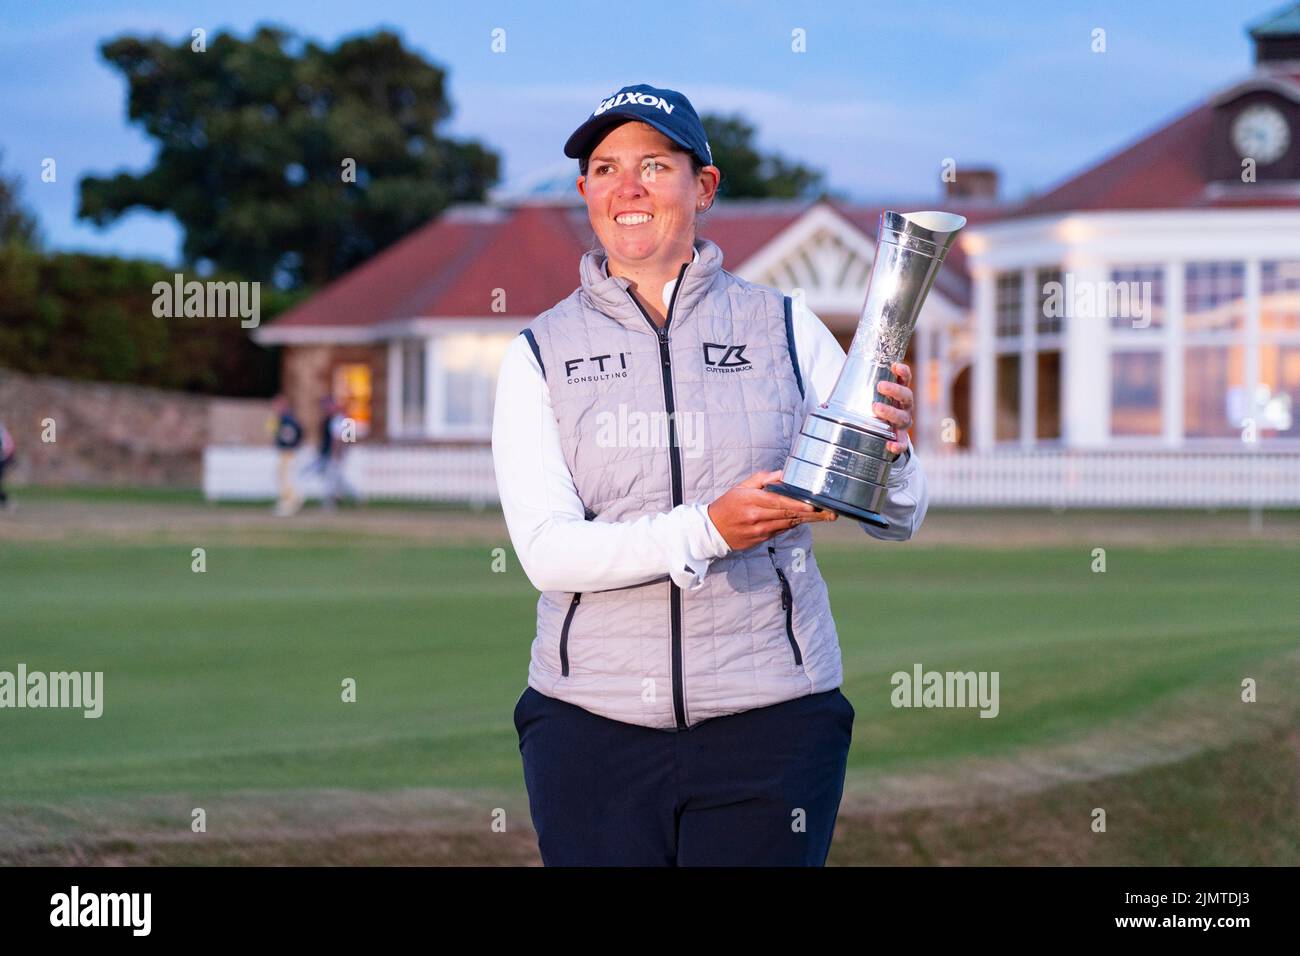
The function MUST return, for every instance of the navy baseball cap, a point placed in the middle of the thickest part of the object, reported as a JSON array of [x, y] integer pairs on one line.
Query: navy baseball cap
[[666, 110]]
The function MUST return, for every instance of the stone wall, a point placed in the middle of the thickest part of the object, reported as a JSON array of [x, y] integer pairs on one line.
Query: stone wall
[[118, 435]]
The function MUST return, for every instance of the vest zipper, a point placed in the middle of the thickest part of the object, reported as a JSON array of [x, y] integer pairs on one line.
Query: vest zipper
[[787, 604], [675, 464], [564, 635]]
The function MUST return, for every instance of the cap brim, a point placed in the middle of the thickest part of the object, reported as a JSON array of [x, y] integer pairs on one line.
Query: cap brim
[[586, 136]]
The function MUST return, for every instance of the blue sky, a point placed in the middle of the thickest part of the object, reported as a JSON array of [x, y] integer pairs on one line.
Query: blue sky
[[885, 91]]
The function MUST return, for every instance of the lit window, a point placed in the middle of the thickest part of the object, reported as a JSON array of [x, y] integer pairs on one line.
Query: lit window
[[467, 368], [1278, 400], [1276, 407], [1047, 411], [1279, 296], [412, 387], [1212, 388], [1135, 298], [1008, 397], [352, 390], [1215, 297], [1051, 302], [1135, 384], [1006, 304]]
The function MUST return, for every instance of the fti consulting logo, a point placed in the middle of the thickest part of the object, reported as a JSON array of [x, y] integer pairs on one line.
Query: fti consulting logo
[[596, 368]]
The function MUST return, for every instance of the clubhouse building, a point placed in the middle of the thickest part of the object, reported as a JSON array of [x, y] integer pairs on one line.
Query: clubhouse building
[[1148, 305]]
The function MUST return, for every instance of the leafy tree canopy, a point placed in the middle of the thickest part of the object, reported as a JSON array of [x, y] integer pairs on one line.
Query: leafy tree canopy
[[253, 139], [747, 173], [92, 317], [16, 223]]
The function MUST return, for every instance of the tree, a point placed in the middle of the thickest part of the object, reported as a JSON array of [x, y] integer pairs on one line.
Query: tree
[[91, 317], [748, 174], [17, 225], [256, 139]]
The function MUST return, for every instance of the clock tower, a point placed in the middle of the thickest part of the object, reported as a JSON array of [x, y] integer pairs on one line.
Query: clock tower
[[1257, 122]]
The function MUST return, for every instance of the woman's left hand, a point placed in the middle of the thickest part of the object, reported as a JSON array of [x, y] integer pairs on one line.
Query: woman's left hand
[[899, 411]]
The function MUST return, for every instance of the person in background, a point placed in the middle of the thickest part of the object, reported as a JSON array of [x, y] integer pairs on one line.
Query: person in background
[[332, 448], [7, 447], [287, 432]]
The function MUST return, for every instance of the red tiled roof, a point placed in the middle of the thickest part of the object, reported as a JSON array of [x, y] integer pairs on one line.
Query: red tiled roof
[[451, 266], [1163, 169], [532, 254], [740, 237]]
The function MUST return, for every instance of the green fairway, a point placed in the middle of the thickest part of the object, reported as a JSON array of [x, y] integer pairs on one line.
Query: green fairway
[[230, 680]]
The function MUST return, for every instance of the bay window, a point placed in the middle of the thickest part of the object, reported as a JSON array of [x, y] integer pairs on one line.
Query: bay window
[[464, 369], [1136, 393]]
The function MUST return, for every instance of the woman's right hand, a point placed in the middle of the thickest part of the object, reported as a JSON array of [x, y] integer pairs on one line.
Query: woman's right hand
[[747, 515]]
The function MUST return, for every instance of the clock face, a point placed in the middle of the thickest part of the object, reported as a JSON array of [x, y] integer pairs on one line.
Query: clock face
[[1261, 133]]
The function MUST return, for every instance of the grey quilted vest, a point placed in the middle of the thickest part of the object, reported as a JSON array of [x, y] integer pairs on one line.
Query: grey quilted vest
[[759, 631]]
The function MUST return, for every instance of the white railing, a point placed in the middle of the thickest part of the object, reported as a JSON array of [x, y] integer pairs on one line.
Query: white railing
[[250, 472], [1046, 479], [1115, 479], [426, 474], [241, 472]]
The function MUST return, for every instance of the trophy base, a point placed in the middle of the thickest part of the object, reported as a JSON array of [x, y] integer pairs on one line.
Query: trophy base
[[822, 503]]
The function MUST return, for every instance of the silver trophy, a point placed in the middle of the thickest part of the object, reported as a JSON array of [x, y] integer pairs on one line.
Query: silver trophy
[[839, 461]]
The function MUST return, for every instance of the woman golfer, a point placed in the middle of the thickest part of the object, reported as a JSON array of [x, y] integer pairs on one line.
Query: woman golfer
[[683, 704]]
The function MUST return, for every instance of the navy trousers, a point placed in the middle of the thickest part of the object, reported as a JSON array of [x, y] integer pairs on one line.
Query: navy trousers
[[757, 788]]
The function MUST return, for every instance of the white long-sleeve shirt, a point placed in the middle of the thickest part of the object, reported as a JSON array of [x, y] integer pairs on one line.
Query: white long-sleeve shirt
[[561, 551]]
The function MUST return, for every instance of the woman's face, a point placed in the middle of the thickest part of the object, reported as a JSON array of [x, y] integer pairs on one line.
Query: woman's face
[[637, 169]]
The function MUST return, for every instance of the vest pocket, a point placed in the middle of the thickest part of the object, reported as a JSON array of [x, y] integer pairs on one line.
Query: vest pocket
[[587, 515], [787, 604], [564, 635]]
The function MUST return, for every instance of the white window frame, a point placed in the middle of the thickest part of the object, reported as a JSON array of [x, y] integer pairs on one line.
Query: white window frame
[[1130, 347], [396, 385], [1173, 340], [1165, 340], [435, 382], [1276, 337], [1026, 346]]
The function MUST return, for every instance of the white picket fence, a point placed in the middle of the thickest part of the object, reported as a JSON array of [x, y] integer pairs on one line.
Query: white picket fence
[[1044, 479], [1115, 479], [240, 472]]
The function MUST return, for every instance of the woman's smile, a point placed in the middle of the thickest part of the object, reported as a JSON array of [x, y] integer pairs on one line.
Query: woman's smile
[[631, 220]]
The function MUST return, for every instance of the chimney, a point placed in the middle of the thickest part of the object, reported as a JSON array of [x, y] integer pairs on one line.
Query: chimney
[[1277, 38], [974, 182]]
